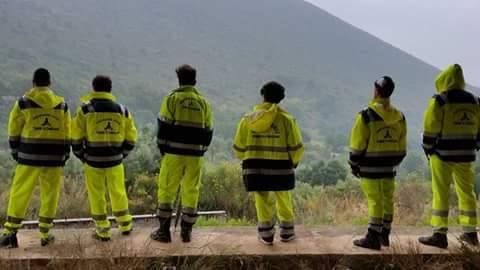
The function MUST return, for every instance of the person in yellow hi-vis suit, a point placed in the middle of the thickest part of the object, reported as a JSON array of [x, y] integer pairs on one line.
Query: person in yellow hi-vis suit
[[269, 143], [103, 134], [377, 147], [185, 129], [39, 137], [450, 140]]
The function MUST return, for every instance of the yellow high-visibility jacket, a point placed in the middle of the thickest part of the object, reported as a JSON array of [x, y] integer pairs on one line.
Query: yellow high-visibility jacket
[[269, 143], [452, 119], [103, 131], [39, 129], [378, 140], [185, 123]]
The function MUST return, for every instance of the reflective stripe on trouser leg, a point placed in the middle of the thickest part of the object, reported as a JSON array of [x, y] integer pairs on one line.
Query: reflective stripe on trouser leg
[[189, 215], [266, 229], [21, 191], [284, 207], [50, 187], [373, 191], [464, 178], [96, 188], [44, 226], [164, 211], [12, 225], [388, 186], [115, 178], [287, 228], [387, 221], [171, 173], [102, 226], [124, 220], [442, 177]]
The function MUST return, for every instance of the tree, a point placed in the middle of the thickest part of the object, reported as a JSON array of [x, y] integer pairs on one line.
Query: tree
[[322, 173]]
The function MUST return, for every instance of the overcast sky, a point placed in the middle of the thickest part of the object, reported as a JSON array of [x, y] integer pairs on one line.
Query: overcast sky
[[439, 32]]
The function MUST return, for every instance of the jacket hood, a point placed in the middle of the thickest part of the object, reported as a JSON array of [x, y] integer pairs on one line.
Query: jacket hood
[[187, 88], [44, 97], [451, 78], [262, 117], [385, 110], [97, 95]]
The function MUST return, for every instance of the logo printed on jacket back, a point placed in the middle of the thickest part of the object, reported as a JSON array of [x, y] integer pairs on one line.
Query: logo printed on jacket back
[[387, 135], [463, 117], [108, 126], [190, 104], [46, 122], [273, 132]]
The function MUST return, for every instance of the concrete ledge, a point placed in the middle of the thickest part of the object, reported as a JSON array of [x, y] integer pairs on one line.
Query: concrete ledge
[[235, 248]]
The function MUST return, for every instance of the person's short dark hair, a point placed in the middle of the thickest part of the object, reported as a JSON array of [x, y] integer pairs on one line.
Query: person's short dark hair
[[187, 75], [102, 83], [41, 77], [384, 86], [273, 92]]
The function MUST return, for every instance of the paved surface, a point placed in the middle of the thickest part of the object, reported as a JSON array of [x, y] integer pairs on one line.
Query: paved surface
[[78, 243]]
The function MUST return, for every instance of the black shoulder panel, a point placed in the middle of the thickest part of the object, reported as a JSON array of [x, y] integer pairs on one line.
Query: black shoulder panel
[[369, 115], [62, 106], [459, 97], [441, 99], [87, 107], [25, 103]]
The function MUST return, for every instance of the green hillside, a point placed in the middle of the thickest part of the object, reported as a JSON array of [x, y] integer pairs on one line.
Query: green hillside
[[327, 65]]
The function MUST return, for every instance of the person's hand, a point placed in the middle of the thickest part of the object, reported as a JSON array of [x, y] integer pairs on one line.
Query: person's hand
[[355, 169], [428, 153]]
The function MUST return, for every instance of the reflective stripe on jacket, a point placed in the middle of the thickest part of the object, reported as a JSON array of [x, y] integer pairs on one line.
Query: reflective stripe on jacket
[[269, 143], [378, 140], [39, 129], [452, 119], [103, 131], [185, 124]]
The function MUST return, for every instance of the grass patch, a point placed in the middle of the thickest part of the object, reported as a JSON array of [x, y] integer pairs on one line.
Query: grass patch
[[224, 222]]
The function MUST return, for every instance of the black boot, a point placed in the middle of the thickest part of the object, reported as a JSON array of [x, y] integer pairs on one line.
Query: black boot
[[370, 241], [385, 237], [469, 238], [100, 238], [436, 240], [163, 233], [186, 232], [46, 241], [9, 240]]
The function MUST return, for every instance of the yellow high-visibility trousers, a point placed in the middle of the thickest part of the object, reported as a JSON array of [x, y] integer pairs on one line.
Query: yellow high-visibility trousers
[[184, 172], [379, 194], [98, 181], [463, 175], [265, 202], [24, 182]]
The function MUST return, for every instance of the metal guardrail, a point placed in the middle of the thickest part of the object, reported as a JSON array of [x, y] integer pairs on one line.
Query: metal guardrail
[[71, 221]]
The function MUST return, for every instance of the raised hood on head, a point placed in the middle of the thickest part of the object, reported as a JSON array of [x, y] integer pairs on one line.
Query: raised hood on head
[[44, 97], [451, 78], [385, 110], [262, 117]]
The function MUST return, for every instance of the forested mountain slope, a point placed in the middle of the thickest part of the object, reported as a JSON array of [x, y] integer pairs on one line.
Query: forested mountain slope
[[327, 65]]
